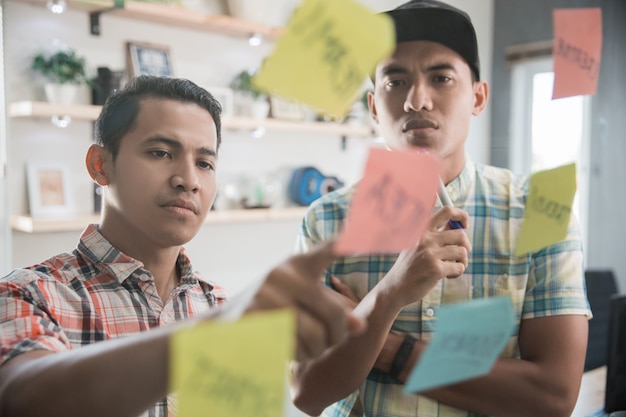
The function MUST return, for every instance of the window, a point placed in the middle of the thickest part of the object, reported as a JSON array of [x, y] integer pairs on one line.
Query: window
[[548, 133]]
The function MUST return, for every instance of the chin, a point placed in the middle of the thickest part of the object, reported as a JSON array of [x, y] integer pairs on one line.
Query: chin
[[179, 235]]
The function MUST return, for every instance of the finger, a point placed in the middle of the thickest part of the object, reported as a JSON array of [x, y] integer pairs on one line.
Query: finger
[[310, 296], [317, 259], [453, 269], [343, 289], [269, 297], [310, 337], [312, 332], [333, 312], [454, 261], [453, 237], [344, 299], [440, 219]]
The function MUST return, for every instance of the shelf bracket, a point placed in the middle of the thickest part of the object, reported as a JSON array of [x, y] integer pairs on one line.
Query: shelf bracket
[[94, 16], [344, 142]]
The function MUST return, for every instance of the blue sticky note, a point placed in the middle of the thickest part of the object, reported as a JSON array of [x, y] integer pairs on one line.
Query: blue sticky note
[[469, 338]]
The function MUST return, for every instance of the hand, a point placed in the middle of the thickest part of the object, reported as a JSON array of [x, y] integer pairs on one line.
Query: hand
[[323, 319], [347, 295], [441, 252]]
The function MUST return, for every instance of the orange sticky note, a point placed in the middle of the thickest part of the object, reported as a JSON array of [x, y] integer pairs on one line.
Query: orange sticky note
[[577, 51], [392, 203]]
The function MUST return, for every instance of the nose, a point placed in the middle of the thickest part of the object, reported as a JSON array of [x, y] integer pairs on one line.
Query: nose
[[185, 177], [418, 98]]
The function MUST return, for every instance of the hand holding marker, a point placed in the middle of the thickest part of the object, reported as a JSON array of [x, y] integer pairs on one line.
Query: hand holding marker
[[445, 200]]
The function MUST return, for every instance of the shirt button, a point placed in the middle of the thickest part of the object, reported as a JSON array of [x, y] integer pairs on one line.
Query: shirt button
[[430, 312]]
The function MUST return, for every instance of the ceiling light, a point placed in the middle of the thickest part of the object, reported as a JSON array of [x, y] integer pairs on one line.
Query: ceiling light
[[56, 6], [255, 39]]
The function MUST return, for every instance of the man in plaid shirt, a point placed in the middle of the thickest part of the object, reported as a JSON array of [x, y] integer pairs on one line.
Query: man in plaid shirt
[[424, 97], [74, 329]]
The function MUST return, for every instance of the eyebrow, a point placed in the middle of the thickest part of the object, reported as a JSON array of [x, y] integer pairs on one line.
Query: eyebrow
[[441, 66], [172, 143], [392, 69]]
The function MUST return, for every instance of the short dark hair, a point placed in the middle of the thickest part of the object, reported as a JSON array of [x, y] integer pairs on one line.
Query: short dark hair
[[120, 110], [437, 21]]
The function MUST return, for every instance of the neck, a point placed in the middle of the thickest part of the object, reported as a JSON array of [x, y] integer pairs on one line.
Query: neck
[[166, 283], [451, 169]]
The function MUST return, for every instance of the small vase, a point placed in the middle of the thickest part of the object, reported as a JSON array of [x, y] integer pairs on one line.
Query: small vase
[[62, 93], [210, 7], [259, 109], [271, 13]]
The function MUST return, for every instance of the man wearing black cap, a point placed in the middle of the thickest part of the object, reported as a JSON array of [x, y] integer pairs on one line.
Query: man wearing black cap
[[424, 97]]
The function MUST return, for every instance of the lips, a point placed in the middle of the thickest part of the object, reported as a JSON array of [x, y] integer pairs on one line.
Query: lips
[[181, 203], [417, 124]]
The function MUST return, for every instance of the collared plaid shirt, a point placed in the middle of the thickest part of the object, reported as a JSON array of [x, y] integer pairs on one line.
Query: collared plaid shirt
[[93, 294], [544, 283]]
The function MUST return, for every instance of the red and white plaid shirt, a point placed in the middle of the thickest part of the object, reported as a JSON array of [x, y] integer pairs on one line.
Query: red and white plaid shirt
[[93, 294]]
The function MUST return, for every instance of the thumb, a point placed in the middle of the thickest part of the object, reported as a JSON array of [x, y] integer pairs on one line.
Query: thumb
[[317, 259]]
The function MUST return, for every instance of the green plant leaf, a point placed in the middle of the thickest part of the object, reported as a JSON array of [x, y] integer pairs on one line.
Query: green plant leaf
[[63, 67]]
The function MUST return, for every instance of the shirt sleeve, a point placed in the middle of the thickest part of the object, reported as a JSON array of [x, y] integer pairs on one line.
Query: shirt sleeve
[[25, 323], [556, 283], [308, 235]]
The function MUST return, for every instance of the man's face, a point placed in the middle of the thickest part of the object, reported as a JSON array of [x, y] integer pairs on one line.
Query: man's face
[[424, 97], [163, 181]]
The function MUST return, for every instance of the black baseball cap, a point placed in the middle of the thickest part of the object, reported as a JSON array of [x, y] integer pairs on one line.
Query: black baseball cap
[[436, 21]]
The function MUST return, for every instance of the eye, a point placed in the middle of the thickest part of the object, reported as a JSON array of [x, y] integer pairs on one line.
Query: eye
[[159, 153], [442, 79], [394, 83], [208, 165]]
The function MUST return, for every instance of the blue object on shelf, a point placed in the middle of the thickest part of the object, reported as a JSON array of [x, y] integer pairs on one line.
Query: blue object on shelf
[[307, 184]]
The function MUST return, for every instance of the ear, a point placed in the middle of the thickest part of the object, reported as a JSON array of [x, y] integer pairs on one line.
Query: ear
[[481, 94], [372, 106], [96, 162]]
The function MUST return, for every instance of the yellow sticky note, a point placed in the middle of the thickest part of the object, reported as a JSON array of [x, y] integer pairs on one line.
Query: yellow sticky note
[[548, 209], [327, 50], [233, 369]]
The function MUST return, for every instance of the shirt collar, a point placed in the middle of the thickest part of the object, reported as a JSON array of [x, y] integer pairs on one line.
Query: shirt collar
[[95, 247], [459, 187]]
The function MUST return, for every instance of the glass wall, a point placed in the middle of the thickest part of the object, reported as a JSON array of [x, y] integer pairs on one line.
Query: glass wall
[[5, 233]]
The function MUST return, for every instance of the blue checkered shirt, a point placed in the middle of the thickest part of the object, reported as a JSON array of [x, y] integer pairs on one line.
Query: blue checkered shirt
[[544, 283]]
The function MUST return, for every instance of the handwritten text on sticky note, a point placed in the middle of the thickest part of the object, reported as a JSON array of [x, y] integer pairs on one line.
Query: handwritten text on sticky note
[[392, 204], [468, 339], [577, 51], [548, 209], [327, 50], [233, 369]]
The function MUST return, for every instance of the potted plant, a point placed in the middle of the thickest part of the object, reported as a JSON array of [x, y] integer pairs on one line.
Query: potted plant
[[64, 71], [249, 100]]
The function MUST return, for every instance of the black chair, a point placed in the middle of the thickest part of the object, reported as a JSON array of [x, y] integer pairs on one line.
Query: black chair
[[601, 285]]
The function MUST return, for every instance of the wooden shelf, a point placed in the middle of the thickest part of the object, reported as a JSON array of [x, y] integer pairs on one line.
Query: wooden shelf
[[174, 15], [37, 109], [27, 224], [276, 125]]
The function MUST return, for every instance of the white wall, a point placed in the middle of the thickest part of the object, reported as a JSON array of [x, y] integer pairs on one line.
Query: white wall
[[231, 254]]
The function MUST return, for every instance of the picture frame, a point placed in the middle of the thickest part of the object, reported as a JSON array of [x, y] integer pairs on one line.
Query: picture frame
[[149, 59], [48, 190], [225, 96], [281, 108]]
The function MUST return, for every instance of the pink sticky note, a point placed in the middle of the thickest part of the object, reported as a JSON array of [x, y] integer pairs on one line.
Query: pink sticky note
[[577, 51], [392, 203]]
